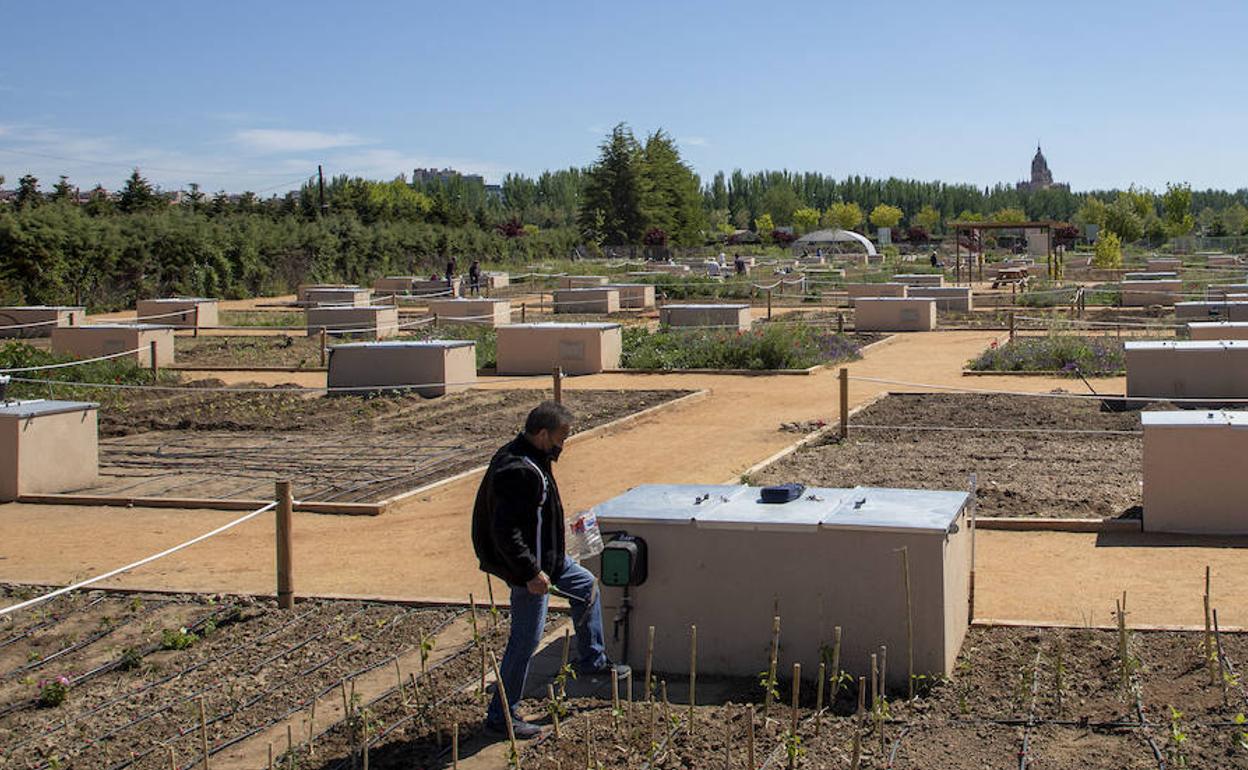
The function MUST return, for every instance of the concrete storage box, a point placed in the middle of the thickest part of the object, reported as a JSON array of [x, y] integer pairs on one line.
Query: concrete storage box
[[438, 288], [179, 312], [398, 365], [894, 314], [38, 320], [1218, 330], [718, 316], [1224, 260], [485, 312], [722, 560], [1143, 293], [1150, 276], [1194, 479], [346, 296], [582, 281], [97, 340], [1229, 310], [856, 290], [1212, 369], [599, 300], [1219, 291], [375, 321], [47, 447], [301, 293], [580, 348], [634, 296], [920, 279], [395, 284], [677, 269], [496, 280], [1164, 264], [956, 298]]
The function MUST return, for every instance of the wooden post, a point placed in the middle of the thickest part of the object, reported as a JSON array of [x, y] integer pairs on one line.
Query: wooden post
[[324, 348], [769, 304], [195, 326], [285, 582], [524, 311], [455, 745], [557, 375], [844, 403], [203, 731], [771, 665], [823, 672], [840, 323], [1011, 326], [693, 672], [502, 696], [435, 320], [797, 686], [152, 354], [649, 663], [1213, 676]]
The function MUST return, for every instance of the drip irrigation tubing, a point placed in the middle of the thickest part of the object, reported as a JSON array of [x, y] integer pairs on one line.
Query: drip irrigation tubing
[[55, 619], [1024, 752]]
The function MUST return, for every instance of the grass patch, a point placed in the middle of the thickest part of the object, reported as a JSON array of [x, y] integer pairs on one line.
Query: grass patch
[[1093, 356], [117, 371], [262, 318], [767, 347], [1050, 294]]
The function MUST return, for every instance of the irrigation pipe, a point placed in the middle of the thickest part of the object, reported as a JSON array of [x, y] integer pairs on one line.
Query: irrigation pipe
[[137, 564], [50, 622]]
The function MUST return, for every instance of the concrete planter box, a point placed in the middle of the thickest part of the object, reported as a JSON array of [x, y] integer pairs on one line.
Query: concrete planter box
[[1194, 479], [347, 296], [583, 281], [372, 321], [395, 284], [191, 312], [47, 447], [1150, 276], [485, 312], [1145, 293], [1222, 261], [634, 296], [580, 348], [301, 293], [1218, 330], [955, 298], [442, 366], [1229, 310], [857, 290], [98, 340], [599, 300], [894, 314], [48, 317], [439, 288], [920, 279], [1210, 369], [496, 280], [735, 317], [1164, 264], [1219, 291], [721, 560], [661, 267]]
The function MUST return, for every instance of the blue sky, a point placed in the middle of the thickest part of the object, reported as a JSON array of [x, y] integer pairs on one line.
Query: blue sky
[[253, 95]]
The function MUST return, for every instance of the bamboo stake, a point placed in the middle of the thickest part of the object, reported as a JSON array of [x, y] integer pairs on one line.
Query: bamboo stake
[[502, 694], [797, 686], [883, 672], [905, 574], [563, 662], [312, 718], [649, 664], [173, 759], [455, 745], [875, 679], [615, 703], [1213, 676], [667, 706], [862, 693], [588, 737], [771, 665], [489, 585], [554, 709], [862, 690], [628, 695], [270, 756], [203, 731], [1217, 637], [693, 672], [749, 715], [290, 748], [727, 744], [836, 663], [819, 696]]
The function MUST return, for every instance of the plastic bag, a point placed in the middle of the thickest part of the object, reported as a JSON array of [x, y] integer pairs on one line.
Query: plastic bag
[[584, 540]]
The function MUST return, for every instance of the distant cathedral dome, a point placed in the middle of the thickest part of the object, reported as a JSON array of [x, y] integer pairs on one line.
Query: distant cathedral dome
[[1041, 176]]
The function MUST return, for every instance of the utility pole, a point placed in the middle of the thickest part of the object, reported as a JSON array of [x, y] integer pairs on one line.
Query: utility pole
[[320, 183]]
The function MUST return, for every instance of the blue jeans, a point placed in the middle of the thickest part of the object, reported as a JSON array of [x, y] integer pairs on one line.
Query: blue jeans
[[528, 619]]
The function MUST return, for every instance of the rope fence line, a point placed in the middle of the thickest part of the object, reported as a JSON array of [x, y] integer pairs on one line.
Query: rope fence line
[[275, 390], [967, 429], [1046, 394], [68, 364], [141, 562]]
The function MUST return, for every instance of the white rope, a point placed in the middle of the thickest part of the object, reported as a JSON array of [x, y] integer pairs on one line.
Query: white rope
[[1050, 394], [139, 563], [275, 390], [73, 363], [965, 429], [1089, 322]]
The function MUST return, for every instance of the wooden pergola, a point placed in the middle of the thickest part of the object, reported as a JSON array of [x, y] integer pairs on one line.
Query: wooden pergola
[[1054, 268]]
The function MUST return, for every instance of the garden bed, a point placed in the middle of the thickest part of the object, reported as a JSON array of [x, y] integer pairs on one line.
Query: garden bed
[[777, 346], [348, 449], [1071, 354], [1045, 473], [132, 695]]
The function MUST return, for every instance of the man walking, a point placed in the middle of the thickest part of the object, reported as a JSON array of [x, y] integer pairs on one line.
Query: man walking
[[518, 535]]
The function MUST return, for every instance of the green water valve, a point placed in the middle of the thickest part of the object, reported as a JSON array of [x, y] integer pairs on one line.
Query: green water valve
[[624, 561]]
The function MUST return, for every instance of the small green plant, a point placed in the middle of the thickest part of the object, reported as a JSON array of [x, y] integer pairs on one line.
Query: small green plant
[[179, 639], [767, 681], [52, 692], [793, 747], [131, 658], [1175, 747], [426, 647], [136, 604], [1239, 737], [33, 656]]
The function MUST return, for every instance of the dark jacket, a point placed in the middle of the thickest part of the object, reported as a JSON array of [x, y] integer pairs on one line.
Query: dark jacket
[[517, 498]]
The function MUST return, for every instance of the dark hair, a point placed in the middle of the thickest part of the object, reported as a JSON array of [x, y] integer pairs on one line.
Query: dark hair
[[547, 416]]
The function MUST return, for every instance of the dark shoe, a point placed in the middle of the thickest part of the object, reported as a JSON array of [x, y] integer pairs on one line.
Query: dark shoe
[[523, 730], [622, 671]]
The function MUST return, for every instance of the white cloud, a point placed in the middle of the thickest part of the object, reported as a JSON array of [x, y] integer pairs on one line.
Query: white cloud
[[285, 140], [693, 141]]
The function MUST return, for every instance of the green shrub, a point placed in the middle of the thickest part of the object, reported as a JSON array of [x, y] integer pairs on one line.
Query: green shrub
[[117, 371], [1067, 353], [771, 346]]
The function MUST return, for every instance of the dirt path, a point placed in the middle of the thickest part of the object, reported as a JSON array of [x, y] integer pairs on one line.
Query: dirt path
[[422, 548]]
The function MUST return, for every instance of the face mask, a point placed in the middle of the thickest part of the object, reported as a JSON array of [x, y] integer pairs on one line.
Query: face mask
[[554, 452]]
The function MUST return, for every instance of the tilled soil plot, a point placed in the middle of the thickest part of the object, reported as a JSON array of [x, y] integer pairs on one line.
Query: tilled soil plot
[[341, 449], [1027, 461], [1053, 698], [130, 700]]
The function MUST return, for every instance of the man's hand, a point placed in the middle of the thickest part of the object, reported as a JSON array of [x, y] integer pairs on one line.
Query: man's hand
[[540, 584]]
